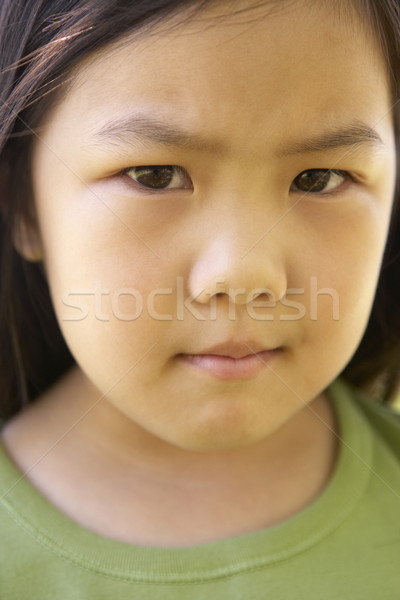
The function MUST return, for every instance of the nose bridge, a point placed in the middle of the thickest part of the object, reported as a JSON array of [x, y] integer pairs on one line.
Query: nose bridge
[[242, 251]]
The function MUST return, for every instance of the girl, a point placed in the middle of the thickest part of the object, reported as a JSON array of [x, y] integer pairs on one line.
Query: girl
[[199, 289]]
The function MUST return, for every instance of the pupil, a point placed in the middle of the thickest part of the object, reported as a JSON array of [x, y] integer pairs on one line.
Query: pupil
[[313, 180], [156, 177]]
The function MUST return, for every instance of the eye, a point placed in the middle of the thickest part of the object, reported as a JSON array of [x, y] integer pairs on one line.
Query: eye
[[160, 177], [317, 181]]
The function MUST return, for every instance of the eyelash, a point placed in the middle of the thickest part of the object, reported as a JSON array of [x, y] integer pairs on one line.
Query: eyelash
[[169, 173], [345, 175], [175, 169]]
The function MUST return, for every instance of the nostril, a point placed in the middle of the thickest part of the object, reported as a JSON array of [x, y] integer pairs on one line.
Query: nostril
[[261, 294], [265, 296]]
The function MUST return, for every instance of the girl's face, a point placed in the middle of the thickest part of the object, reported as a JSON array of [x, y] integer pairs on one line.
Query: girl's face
[[184, 201]]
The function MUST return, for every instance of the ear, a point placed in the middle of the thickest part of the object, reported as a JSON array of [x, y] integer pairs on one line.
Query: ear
[[27, 241], [25, 232]]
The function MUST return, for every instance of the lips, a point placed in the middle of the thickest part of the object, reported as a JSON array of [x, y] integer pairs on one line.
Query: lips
[[236, 349], [231, 361]]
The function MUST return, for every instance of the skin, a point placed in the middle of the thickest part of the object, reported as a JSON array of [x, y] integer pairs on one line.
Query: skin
[[236, 455]]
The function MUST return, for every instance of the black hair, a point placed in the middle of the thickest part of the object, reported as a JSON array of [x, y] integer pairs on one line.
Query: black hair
[[40, 42]]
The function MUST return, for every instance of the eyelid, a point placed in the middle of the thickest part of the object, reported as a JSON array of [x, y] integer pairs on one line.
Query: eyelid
[[143, 189], [149, 190], [347, 177]]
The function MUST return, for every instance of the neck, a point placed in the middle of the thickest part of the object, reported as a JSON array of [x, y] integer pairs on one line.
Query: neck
[[205, 495]]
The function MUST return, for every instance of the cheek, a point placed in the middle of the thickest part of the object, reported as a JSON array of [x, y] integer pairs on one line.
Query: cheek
[[109, 290], [342, 266]]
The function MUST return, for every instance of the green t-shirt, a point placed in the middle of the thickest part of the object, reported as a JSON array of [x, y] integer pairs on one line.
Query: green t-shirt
[[344, 545]]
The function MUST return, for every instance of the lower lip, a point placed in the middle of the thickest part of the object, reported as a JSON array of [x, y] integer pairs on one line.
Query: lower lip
[[227, 368]]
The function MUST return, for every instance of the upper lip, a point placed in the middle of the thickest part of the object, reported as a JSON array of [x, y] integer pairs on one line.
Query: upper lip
[[236, 349]]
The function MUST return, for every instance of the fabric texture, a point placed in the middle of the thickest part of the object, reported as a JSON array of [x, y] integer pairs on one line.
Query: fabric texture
[[345, 544]]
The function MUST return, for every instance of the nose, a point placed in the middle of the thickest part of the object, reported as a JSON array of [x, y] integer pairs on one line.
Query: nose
[[241, 266]]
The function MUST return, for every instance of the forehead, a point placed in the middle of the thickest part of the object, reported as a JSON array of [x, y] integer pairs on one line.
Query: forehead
[[262, 67]]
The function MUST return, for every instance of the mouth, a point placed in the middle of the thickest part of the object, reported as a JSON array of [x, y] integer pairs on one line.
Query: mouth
[[230, 368]]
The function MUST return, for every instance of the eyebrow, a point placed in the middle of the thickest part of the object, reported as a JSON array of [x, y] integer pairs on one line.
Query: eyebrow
[[141, 127], [355, 134], [144, 128]]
